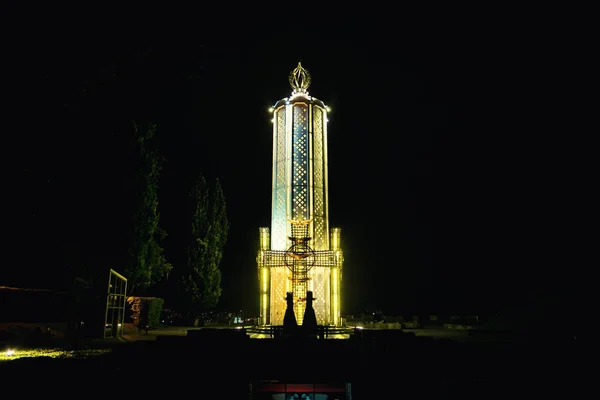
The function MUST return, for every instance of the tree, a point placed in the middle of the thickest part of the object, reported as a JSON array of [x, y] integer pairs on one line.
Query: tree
[[147, 263], [201, 281]]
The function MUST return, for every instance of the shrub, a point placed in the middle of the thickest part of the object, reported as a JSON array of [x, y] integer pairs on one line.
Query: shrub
[[145, 311]]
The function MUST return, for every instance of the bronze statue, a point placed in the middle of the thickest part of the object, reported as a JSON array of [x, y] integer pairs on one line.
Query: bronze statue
[[289, 319]]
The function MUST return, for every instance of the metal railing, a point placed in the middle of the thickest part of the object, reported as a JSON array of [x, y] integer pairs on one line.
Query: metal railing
[[323, 332]]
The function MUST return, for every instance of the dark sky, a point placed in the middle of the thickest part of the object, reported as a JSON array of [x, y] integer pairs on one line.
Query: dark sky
[[430, 141]]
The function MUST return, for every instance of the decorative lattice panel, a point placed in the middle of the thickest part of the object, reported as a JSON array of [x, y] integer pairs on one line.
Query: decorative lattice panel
[[327, 290], [319, 284], [279, 288], [300, 163], [279, 223], [279, 218], [320, 239]]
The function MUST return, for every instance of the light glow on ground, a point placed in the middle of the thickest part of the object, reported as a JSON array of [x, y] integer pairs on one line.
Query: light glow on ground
[[13, 354]]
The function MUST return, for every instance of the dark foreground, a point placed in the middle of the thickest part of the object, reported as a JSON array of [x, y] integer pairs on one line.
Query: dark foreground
[[378, 364]]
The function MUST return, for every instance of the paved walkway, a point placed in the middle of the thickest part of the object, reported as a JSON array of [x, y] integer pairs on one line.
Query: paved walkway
[[131, 333]]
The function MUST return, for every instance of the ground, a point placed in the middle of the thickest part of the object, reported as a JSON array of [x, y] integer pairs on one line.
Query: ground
[[377, 363], [131, 332]]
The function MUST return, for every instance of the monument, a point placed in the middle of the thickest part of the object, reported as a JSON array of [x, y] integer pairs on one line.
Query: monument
[[300, 257]]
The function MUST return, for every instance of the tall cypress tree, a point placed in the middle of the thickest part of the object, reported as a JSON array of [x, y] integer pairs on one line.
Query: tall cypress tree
[[201, 281], [147, 263], [219, 229]]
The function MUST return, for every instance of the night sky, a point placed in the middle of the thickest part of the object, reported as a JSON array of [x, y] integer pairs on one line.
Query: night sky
[[429, 152]]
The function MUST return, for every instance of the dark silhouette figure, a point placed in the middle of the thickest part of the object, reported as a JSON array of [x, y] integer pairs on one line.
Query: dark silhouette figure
[[309, 322], [289, 319]]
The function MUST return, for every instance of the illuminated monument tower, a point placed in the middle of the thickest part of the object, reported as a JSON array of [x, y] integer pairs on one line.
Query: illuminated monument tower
[[300, 252]]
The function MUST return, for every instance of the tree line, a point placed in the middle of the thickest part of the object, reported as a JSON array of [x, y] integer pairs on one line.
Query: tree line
[[198, 281]]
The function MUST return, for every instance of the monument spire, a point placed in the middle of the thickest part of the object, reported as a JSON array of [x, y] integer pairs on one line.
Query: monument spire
[[299, 79]]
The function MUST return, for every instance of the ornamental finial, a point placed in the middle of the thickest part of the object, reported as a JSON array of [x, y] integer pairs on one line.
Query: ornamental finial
[[299, 79]]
